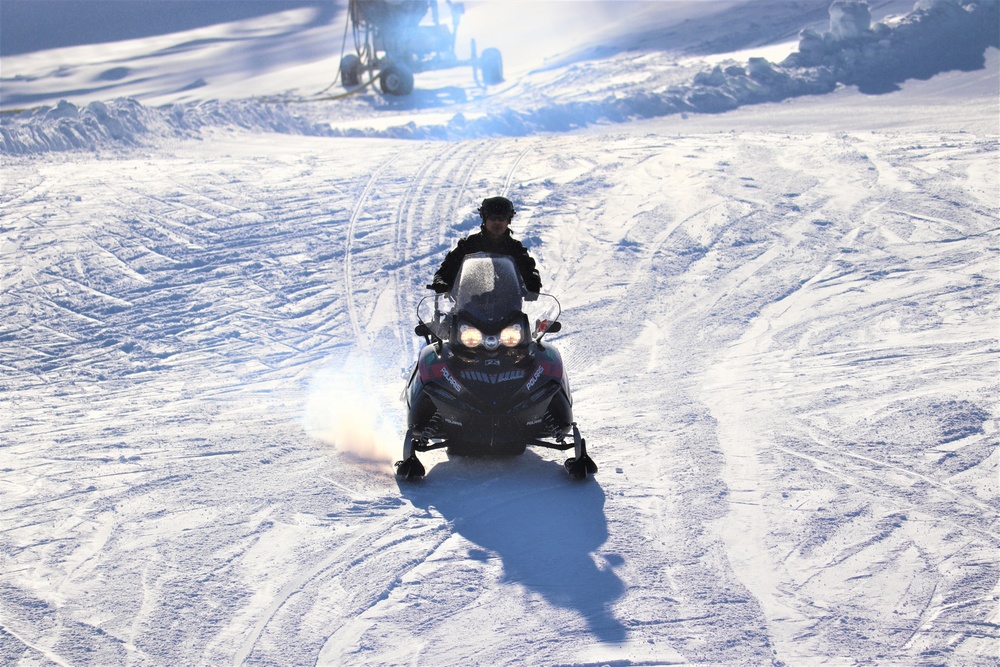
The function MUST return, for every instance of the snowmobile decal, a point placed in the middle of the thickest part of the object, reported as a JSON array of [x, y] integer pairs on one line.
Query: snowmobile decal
[[446, 374], [430, 371], [493, 378], [534, 378], [551, 368]]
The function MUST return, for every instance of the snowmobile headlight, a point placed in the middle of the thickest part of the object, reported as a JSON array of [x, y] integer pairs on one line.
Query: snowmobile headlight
[[470, 336], [511, 336]]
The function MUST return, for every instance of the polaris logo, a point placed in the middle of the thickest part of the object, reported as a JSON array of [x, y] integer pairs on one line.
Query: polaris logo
[[493, 378], [446, 374], [534, 379]]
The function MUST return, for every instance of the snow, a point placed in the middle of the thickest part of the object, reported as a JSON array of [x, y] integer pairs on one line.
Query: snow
[[779, 322]]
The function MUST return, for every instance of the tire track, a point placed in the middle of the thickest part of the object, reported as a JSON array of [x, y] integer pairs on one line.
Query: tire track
[[434, 203], [352, 310], [873, 470], [45, 652], [413, 208], [513, 168], [429, 199]]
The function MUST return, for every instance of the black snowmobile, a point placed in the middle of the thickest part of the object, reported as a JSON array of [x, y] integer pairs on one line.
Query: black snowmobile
[[485, 383]]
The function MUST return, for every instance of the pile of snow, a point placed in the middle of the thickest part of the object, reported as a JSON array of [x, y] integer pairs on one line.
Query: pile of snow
[[128, 122], [938, 36]]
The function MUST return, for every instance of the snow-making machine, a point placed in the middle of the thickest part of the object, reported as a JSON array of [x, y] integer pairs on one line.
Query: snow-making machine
[[395, 39]]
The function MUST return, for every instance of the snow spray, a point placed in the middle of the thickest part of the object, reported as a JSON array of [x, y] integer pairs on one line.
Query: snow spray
[[344, 410]]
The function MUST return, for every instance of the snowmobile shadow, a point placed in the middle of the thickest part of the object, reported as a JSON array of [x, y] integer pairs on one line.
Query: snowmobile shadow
[[543, 526]]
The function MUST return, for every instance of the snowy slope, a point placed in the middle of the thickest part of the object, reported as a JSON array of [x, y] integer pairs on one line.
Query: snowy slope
[[780, 324]]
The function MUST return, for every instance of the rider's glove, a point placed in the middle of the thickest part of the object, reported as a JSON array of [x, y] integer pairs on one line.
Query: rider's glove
[[531, 296], [439, 286]]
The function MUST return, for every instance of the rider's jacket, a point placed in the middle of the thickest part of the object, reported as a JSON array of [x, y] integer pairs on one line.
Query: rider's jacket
[[483, 242]]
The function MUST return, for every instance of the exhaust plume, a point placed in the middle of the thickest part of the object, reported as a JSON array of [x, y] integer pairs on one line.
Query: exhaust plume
[[346, 411]]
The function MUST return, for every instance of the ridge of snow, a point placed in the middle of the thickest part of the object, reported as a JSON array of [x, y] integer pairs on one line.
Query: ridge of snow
[[128, 122]]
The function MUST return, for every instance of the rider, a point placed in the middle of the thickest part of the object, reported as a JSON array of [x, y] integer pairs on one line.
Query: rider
[[493, 237]]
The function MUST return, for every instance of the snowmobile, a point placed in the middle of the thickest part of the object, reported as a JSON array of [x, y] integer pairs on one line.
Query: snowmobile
[[485, 383]]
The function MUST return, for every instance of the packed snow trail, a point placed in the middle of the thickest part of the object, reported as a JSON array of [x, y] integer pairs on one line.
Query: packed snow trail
[[781, 350]]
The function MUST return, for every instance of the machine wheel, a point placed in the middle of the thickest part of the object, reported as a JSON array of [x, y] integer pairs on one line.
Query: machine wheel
[[396, 80], [491, 65], [350, 70]]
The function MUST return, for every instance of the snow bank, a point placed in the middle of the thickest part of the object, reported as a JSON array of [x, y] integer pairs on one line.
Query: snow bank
[[938, 36], [127, 122]]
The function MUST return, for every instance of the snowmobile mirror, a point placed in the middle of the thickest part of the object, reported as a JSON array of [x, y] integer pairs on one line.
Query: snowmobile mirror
[[543, 327]]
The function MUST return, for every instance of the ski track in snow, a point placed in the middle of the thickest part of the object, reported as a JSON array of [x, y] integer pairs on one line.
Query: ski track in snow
[[781, 348]]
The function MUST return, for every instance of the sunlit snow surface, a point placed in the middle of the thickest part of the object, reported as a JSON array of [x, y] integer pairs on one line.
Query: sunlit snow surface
[[780, 325]]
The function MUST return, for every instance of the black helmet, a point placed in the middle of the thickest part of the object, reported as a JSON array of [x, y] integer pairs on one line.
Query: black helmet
[[497, 206]]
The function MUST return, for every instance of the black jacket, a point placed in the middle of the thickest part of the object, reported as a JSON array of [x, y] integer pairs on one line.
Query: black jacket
[[483, 242]]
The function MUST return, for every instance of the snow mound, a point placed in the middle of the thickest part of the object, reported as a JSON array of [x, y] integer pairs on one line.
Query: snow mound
[[938, 36], [127, 122]]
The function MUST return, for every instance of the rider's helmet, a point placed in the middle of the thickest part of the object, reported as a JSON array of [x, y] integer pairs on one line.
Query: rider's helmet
[[497, 206]]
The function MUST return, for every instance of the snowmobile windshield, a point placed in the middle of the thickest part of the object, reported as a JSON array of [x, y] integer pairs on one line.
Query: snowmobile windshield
[[488, 288]]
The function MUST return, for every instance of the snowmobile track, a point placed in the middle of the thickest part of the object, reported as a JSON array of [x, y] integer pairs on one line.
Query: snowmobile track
[[349, 249]]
